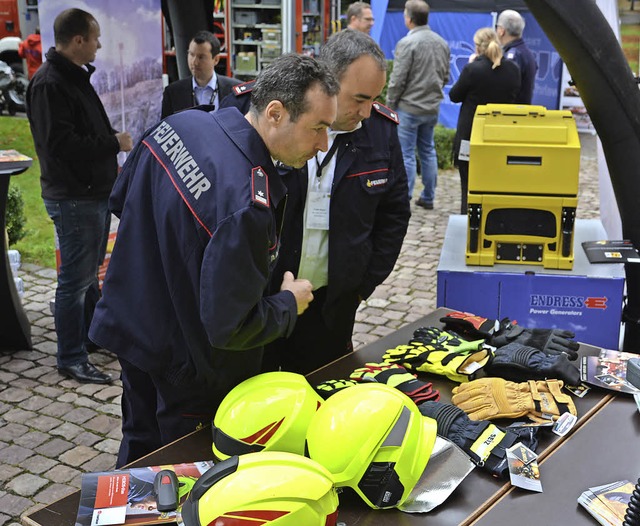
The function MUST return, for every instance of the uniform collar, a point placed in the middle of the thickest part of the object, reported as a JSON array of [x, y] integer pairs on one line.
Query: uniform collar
[[249, 142]]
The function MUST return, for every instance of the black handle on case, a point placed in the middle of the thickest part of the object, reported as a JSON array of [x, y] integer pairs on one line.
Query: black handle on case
[[165, 486]]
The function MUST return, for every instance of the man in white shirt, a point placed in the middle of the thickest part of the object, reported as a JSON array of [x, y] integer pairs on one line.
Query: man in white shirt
[[205, 86]]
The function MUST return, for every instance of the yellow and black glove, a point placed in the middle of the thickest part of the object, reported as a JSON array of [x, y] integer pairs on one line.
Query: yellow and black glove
[[328, 387], [491, 398], [458, 360], [398, 377]]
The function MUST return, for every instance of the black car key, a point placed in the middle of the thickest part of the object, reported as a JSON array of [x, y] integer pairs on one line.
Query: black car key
[[165, 486]]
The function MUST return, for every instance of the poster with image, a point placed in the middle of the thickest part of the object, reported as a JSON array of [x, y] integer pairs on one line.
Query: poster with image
[[128, 76]]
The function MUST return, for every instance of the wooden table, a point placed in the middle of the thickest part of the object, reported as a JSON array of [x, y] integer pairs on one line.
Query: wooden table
[[480, 497]]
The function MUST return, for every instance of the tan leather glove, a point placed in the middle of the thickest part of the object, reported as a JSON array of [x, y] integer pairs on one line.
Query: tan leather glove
[[491, 398]]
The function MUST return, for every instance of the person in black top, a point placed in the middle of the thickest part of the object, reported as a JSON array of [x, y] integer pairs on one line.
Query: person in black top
[[488, 77], [77, 149]]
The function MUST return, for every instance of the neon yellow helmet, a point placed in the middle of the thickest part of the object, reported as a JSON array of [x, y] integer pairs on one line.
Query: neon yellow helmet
[[372, 438], [269, 488], [268, 412]]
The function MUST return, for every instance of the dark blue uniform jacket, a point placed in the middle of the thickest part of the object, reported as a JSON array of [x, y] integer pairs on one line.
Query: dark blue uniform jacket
[[518, 51], [368, 217], [200, 206]]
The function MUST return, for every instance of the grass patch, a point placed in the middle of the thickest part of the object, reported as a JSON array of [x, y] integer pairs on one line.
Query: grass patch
[[37, 246]]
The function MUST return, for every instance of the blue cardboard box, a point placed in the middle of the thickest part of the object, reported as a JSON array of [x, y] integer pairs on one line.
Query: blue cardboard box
[[586, 300]]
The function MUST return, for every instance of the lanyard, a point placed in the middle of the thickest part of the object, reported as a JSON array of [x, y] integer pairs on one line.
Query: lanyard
[[327, 158], [213, 96]]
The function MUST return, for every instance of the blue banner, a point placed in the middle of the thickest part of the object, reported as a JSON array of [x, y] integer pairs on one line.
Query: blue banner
[[458, 30]]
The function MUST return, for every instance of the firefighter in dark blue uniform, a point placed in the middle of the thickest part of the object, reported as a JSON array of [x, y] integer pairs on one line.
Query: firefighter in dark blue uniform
[[368, 209], [185, 305]]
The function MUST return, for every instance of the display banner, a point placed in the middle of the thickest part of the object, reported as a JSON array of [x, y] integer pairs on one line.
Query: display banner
[[128, 76], [458, 30]]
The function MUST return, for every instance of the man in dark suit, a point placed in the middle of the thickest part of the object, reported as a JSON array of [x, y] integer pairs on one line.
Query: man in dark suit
[[204, 86]]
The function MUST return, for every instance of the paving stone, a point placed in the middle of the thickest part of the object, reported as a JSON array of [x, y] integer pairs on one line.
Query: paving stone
[[14, 505], [44, 423], [102, 462], [10, 431], [87, 439], [34, 403], [67, 430], [33, 439], [14, 455], [78, 455], [53, 448], [9, 472], [79, 415], [58, 409], [102, 423], [62, 474], [26, 485], [38, 464]]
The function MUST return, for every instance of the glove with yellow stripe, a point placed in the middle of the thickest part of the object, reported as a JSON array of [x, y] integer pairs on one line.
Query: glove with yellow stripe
[[490, 398], [398, 377], [458, 362], [500, 333], [483, 441], [328, 387], [518, 363]]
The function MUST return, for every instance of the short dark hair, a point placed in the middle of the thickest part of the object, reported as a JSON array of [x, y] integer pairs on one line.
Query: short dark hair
[[417, 11], [346, 47], [287, 79], [70, 23], [206, 36]]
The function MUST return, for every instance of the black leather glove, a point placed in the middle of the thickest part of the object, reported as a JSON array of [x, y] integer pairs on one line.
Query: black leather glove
[[551, 341], [483, 441], [500, 333], [519, 363]]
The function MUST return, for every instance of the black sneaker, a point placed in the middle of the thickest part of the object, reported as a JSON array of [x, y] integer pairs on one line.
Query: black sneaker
[[421, 202]]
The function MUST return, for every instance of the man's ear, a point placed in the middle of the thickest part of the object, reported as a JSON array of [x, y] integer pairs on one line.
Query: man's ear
[[216, 59], [275, 113], [78, 40]]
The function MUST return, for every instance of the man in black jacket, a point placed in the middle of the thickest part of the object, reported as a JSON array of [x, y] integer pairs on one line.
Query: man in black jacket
[[205, 86], [77, 149]]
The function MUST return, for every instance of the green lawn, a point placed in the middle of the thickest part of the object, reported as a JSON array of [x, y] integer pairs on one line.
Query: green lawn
[[38, 245]]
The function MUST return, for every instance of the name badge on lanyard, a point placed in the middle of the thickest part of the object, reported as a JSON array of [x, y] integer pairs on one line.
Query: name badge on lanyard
[[318, 210]]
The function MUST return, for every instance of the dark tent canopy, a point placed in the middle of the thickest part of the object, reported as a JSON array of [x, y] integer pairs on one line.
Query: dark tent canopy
[[453, 6]]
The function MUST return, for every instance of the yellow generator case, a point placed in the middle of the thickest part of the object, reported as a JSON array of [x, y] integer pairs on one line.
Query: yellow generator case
[[524, 163]]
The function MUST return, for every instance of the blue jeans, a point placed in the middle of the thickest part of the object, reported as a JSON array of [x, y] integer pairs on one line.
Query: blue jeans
[[416, 131], [83, 231]]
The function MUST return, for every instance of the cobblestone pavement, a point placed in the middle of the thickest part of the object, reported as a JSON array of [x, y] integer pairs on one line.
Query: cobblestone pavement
[[53, 429]]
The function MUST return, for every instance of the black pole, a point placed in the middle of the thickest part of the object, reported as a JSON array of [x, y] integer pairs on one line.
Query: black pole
[[583, 38], [185, 18]]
